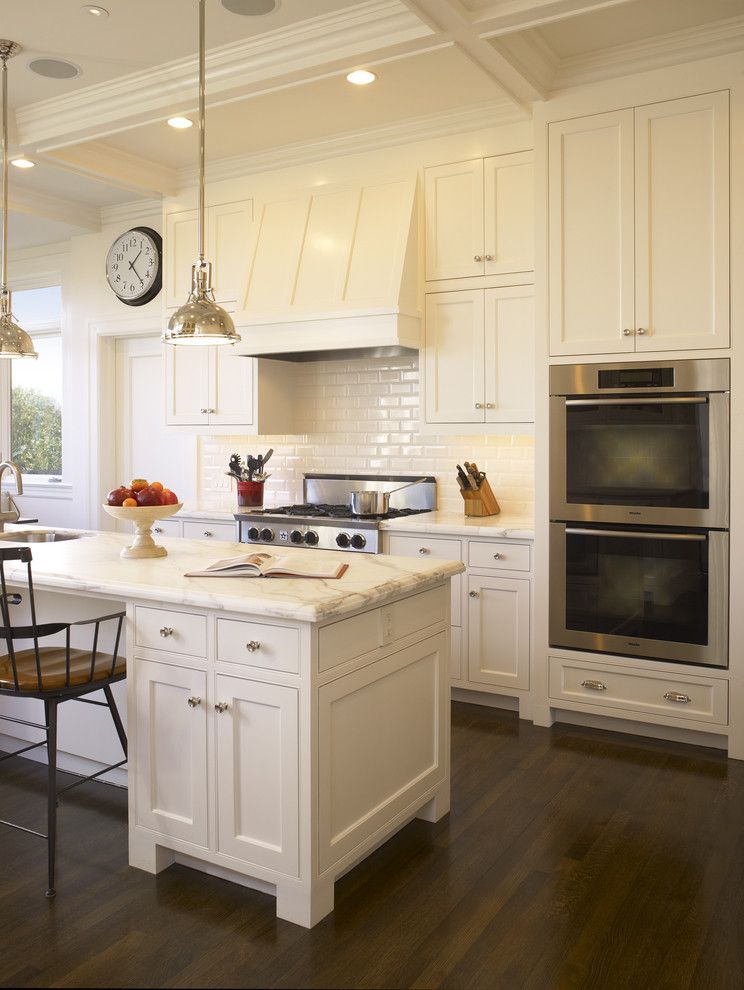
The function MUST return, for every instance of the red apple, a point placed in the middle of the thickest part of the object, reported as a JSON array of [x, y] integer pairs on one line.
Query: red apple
[[169, 497], [117, 495], [149, 496]]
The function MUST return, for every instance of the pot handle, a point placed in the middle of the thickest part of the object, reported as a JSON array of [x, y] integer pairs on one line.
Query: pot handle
[[409, 484]]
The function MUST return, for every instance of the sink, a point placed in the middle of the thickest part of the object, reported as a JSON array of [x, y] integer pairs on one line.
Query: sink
[[38, 536]]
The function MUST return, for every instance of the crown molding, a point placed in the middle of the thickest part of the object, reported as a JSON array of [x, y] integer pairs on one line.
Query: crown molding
[[295, 53], [691, 44], [434, 125], [47, 207], [116, 167], [137, 211]]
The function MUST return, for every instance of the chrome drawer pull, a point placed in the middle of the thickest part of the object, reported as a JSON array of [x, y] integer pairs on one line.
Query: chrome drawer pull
[[157, 529], [166, 631], [193, 702], [424, 550], [208, 532], [627, 333], [252, 646], [221, 707], [489, 257], [474, 594], [477, 257], [594, 685], [679, 699], [498, 556], [479, 405]]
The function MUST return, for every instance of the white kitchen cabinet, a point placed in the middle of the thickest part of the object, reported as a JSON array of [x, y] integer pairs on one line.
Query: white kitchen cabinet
[[638, 228], [171, 755], [257, 772], [207, 529], [479, 217], [479, 356], [227, 237], [499, 631]]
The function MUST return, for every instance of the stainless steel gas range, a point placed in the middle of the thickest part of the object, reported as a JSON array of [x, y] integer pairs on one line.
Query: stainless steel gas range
[[324, 520]]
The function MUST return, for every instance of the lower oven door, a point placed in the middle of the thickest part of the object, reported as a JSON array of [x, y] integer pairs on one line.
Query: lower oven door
[[654, 594]]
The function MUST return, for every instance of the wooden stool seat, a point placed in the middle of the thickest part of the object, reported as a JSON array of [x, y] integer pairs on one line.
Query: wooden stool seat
[[53, 665]]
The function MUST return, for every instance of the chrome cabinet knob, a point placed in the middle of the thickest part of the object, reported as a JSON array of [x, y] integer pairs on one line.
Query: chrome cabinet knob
[[594, 685], [627, 333], [640, 331], [204, 412], [477, 257], [424, 550], [252, 646], [490, 405], [474, 594], [677, 698], [498, 556], [158, 529], [221, 707], [208, 532], [166, 631], [479, 405], [489, 257], [193, 702]]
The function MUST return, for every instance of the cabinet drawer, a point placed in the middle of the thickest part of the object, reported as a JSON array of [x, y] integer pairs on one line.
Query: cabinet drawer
[[703, 699], [500, 556], [258, 645], [207, 530], [167, 527], [413, 546], [176, 632]]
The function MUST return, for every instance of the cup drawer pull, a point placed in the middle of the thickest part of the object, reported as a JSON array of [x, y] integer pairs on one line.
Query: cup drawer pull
[[166, 631], [594, 685], [677, 697]]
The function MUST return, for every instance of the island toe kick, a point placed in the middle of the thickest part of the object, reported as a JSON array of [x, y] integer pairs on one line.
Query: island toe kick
[[278, 754]]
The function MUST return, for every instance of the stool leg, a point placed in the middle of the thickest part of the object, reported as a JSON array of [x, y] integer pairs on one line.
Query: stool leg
[[116, 717], [51, 720]]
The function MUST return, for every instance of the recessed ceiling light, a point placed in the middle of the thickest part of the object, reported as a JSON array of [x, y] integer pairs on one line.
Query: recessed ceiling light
[[180, 123], [361, 77], [54, 68], [95, 11], [250, 8], [22, 163]]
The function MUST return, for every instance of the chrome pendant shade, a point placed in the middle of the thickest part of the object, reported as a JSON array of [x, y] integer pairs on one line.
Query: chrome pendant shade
[[200, 320], [14, 341]]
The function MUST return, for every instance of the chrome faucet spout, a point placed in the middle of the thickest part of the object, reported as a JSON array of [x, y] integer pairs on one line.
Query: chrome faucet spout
[[12, 466]]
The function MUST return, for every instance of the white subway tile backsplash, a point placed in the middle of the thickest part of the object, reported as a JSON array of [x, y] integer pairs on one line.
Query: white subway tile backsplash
[[362, 415]]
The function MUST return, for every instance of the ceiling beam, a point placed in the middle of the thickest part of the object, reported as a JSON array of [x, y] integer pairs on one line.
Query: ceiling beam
[[508, 16], [116, 168], [55, 208]]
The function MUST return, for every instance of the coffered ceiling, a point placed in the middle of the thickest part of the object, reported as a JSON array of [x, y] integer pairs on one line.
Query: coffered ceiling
[[276, 83]]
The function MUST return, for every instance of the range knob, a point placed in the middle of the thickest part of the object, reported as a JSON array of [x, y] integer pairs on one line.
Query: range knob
[[267, 535], [311, 538], [342, 540], [295, 536], [358, 541], [253, 533]]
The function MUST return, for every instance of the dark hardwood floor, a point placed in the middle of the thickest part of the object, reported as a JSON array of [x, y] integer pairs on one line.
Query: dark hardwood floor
[[571, 858]]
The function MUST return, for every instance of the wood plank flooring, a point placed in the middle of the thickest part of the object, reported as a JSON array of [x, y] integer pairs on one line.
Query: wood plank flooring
[[572, 858]]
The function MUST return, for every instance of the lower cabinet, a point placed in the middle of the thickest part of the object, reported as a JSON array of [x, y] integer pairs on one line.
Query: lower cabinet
[[499, 631]]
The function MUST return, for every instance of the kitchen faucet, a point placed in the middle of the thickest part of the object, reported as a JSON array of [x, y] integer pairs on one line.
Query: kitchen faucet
[[11, 513]]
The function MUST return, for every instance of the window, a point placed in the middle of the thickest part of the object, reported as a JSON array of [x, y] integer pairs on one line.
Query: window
[[36, 388]]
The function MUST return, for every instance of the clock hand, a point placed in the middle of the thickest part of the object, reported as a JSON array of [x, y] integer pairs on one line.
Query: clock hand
[[132, 263]]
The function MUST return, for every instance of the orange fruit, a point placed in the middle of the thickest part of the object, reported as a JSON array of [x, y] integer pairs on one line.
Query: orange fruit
[[130, 502], [138, 484], [157, 485]]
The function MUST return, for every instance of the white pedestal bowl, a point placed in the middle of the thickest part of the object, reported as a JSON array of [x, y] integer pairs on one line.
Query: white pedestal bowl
[[143, 516]]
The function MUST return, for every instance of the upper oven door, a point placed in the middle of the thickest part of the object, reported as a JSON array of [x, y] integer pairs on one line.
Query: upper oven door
[[660, 460]]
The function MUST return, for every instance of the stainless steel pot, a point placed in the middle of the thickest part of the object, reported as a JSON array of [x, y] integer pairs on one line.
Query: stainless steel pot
[[373, 503]]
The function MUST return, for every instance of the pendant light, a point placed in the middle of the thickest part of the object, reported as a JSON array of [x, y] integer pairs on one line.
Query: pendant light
[[200, 320], [14, 341]]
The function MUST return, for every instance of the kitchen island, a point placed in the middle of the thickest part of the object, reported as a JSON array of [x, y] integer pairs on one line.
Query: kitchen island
[[279, 729]]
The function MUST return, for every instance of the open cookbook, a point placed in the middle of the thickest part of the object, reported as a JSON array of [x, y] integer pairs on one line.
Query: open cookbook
[[267, 565]]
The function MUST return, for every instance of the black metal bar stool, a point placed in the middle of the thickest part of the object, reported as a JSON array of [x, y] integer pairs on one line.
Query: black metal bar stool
[[54, 674]]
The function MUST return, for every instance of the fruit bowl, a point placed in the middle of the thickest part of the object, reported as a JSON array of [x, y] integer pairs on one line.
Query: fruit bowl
[[143, 516]]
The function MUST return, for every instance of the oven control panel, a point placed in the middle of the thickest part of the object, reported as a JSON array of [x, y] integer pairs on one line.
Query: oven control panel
[[309, 537]]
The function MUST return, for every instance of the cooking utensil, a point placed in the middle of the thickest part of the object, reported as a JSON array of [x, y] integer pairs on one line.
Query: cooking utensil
[[374, 503], [462, 478], [472, 483], [267, 456], [475, 473]]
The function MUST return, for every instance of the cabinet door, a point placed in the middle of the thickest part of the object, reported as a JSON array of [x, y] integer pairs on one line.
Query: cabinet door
[[499, 631], [171, 750], [229, 238], [180, 252], [682, 223], [453, 357], [414, 546], [231, 387], [454, 220], [510, 354], [509, 213], [590, 234], [276, 256], [257, 773], [187, 385]]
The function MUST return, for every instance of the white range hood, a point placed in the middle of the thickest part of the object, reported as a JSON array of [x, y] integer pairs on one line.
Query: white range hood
[[333, 270]]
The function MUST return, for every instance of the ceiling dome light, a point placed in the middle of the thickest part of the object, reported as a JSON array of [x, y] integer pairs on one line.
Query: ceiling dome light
[[361, 77], [14, 341], [94, 10], [200, 320], [54, 68], [180, 123], [22, 163], [250, 8]]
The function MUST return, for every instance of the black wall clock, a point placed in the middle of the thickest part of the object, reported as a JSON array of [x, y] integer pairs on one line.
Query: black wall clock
[[134, 266]]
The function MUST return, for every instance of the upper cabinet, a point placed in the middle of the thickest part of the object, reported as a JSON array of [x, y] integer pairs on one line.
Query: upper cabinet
[[228, 236], [479, 217], [638, 228]]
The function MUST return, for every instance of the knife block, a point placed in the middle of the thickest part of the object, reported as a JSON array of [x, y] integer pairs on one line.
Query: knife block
[[481, 502]]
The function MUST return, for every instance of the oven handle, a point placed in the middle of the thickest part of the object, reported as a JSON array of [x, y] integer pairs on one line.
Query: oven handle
[[641, 400], [646, 534]]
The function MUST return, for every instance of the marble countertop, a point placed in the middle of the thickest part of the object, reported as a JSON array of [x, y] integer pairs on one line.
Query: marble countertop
[[92, 566], [504, 525]]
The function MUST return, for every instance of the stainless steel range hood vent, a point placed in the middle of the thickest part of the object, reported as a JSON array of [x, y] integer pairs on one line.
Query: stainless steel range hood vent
[[334, 273]]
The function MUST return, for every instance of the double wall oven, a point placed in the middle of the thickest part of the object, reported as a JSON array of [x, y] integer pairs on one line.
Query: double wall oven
[[639, 499]]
